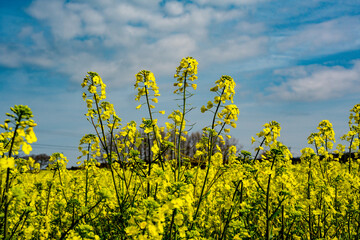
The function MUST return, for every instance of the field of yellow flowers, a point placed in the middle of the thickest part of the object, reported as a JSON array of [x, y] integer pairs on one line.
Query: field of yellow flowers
[[164, 195]]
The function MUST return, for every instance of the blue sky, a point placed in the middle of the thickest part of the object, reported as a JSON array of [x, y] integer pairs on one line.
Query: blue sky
[[295, 62]]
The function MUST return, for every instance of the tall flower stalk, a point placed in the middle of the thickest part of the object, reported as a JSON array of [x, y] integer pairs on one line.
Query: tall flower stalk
[[146, 86], [101, 115], [22, 136], [224, 115], [185, 74]]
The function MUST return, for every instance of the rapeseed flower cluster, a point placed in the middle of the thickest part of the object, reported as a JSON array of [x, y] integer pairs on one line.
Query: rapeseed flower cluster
[[270, 133], [354, 129], [228, 115], [185, 72], [93, 81], [324, 139], [145, 82], [90, 148], [57, 161], [225, 89], [21, 134]]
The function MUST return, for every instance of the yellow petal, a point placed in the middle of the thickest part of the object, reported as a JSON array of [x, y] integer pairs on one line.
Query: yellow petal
[[26, 148]]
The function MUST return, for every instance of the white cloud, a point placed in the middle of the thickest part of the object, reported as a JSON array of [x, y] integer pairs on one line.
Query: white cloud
[[63, 19], [148, 4], [78, 64], [250, 28], [317, 83], [68, 20], [119, 38], [84, 34], [15, 56], [174, 8], [160, 57], [11, 58], [123, 12], [163, 56], [93, 21], [229, 2], [327, 37], [235, 49]]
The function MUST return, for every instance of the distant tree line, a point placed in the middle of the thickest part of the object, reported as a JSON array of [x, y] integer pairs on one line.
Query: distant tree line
[[188, 151], [42, 159], [188, 147]]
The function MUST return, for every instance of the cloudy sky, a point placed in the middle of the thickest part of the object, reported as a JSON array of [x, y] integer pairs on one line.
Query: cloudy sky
[[295, 62]]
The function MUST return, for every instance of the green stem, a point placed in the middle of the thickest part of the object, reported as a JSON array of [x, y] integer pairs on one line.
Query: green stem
[[63, 235], [103, 141], [62, 187], [6, 203], [282, 222], [7, 183], [149, 167], [309, 197], [172, 223], [87, 178], [257, 153], [231, 210], [267, 211], [217, 109], [115, 186], [326, 140], [349, 158], [16, 226], [267, 208], [105, 146], [210, 150], [158, 142], [203, 186], [48, 197], [180, 129], [348, 226]]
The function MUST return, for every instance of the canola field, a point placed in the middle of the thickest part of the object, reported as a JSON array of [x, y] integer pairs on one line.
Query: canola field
[[160, 193]]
